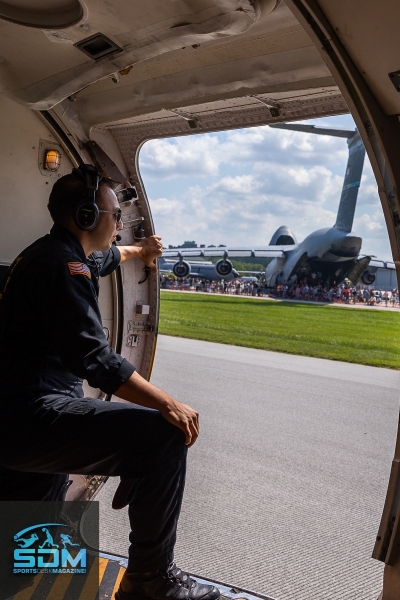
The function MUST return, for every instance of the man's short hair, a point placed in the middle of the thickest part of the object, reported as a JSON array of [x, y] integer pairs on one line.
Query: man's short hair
[[66, 195]]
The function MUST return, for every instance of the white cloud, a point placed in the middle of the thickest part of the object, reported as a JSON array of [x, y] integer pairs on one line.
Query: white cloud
[[302, 176], [164, 206], [169, 159], [235, 185], [238, 187]]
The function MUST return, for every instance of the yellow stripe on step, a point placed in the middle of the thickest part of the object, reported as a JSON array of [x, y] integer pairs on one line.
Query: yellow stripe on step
[[59, 587], [92, 583], [28, 592], [117, 582]]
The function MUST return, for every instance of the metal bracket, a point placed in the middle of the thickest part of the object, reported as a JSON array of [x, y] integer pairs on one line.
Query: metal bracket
[[133, 340], [274, 107], [132, 220], [134, 326], [191, 121]]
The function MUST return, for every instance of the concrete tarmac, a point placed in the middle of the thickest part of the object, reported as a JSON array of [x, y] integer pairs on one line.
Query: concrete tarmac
[[287, 480]]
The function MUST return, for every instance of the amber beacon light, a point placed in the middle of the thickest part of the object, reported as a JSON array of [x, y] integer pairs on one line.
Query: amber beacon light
[[52, 160]]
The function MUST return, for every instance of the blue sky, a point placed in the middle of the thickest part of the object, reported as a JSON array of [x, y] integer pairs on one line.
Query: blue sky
[[238, 187]]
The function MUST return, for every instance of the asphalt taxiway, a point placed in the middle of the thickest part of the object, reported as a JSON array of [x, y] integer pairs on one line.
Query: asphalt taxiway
[[287, 480]]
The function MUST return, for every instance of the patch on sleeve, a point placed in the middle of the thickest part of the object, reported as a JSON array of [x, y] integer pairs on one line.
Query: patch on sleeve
[[78, 268]]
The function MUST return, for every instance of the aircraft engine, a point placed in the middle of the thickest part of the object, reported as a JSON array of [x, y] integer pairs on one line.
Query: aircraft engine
[[224, 267], [367, 278], [181, 269]]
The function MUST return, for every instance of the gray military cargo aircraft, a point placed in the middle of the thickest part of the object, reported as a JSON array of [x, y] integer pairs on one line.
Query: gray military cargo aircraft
[[333, 252]]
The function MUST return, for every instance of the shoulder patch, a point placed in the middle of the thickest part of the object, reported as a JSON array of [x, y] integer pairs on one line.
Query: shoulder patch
[[78, 268]]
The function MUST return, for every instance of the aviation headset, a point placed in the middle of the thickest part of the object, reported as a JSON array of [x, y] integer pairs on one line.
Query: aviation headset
[[86, 215]]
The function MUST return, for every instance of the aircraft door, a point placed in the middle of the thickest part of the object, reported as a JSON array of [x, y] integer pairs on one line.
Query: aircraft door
[[137, 293], [135, 290], [129, 300]]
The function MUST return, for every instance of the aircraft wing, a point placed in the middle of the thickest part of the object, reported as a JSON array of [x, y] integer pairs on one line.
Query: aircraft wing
[[381, 264], [184, 252], [229, 252]]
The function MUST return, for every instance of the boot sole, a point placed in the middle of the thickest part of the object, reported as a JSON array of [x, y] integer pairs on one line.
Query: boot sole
[[118, 596], [122, 596]]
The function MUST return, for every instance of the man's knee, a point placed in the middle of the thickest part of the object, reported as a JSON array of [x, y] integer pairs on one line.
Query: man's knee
[[160, 445]]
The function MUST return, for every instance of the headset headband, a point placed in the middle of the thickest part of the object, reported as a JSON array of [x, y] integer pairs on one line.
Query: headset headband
[[91, 177]]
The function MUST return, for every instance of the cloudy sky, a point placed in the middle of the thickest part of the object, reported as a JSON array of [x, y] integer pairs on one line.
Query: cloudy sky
[[238, 187]]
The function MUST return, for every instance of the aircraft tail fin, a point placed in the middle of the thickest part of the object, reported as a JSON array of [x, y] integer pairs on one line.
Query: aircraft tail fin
[[343, 133], [355, 164], [351, 184]]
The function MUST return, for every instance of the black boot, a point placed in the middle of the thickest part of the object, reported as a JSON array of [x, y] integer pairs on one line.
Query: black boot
[[172, 584]]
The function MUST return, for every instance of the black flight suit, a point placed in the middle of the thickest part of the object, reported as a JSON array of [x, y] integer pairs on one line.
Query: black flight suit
[[51, 338], [102, 264]]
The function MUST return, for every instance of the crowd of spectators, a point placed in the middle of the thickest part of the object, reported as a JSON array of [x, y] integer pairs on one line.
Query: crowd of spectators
[[344, 294]]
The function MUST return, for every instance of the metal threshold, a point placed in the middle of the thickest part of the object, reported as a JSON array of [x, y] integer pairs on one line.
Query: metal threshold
[[102, 583]]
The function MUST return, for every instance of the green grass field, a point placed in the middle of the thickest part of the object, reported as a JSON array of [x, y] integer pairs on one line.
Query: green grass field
[[369, 337]]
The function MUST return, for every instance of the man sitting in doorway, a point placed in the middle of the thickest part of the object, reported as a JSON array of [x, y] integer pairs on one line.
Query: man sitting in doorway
[[51, 339]]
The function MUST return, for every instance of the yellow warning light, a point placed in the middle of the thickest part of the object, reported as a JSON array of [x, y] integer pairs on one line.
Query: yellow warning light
[[52, 160]]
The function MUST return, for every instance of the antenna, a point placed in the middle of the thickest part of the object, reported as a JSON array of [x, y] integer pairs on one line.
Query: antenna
[[354, 168]]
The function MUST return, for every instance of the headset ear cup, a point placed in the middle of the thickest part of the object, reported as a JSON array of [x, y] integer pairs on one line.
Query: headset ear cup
[[87, 216]]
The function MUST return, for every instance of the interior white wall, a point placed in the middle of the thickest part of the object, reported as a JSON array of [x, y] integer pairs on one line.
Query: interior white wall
[[24, 190]]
